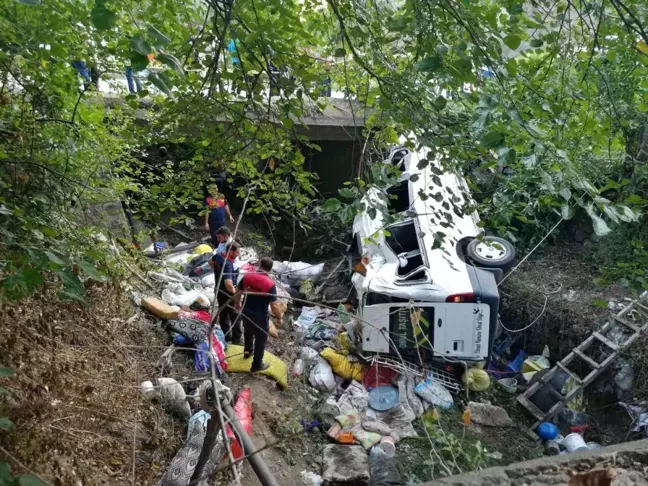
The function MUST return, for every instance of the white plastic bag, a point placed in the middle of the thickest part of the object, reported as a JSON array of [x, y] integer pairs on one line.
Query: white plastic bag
[[322, 377], [296, 272], [174, 397], [307, 317], [435, 393], [308, 354]]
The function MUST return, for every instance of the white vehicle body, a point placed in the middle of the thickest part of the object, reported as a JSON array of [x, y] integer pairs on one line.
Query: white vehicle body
[[416, 290]]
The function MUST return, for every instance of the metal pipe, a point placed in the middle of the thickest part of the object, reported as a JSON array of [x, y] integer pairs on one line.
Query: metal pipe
[[255, 460]]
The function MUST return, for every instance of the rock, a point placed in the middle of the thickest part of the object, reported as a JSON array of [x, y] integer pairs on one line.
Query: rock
[[345, 465], [489, 415]]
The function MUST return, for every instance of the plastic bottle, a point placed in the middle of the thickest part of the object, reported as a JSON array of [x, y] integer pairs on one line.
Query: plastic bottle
[[384, 471], [465, 417], [298, 367], [344, 316]]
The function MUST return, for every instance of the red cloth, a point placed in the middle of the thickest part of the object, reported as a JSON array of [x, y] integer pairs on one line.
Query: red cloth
[[201, 315], [243, 412], [379, 375]]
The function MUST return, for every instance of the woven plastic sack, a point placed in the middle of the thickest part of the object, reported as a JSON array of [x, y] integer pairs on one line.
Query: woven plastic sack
[[342, 366], [236, 363]]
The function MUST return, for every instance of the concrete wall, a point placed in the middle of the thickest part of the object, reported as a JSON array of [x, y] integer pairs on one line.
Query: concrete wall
[[335, 164], [622, 464]]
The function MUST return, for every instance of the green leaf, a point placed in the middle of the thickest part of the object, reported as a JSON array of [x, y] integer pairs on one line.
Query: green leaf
[[140, 46], [601, 304], [414, 177], [512, 41], [158, 83], [159, 37], [6, 372], [5, 423], [92, 272], [642, 46], [138, 61], [422, 164], [102, 18], [440, 102], [172, 62], [492, 140], [339, 52], [332, 204], [600, 226], [29, 2], [29, 480], [567, 212], [529, 160], [429, 64], [536, 43], [71, 282], [57, 258], [347, 193]]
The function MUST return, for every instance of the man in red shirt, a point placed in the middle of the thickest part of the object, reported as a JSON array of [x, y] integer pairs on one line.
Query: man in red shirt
[[255, 312]]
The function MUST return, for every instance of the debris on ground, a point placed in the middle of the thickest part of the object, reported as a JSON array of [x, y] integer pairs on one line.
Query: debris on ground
[[345, 465], [489, 415]]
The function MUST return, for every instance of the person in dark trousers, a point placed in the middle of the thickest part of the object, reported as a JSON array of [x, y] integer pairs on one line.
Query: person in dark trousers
[[227, 318], [217, 209], [255, 313]]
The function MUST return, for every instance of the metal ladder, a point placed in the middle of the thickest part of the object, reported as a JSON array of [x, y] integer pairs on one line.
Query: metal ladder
[[632, 320]]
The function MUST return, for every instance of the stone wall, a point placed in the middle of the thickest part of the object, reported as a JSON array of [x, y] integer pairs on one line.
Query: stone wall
[[618, 465]]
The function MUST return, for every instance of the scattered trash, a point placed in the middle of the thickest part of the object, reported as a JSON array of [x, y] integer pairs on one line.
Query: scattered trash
[[342, 366], [624, 378], [465, 417], [307, 317], [184, 462], [311, 479], [399, 420], [176, 294], [202, 249], [348, 419], [552, 448], [355, 397], [147, 389], [489, 415], [174, 397], [535, 363], [321, 376], [639, 417], [388, 447], [236, 363], [367, 439], [310, 425], [476, 379], [383, 398], [345, 465], [159, 308], [434, 393], [384, 471], [243, 412], [508, 384], [593, 446], [328, 411], [298, 367], [376, 426], [574, 443], [293, 273], [547, 431]]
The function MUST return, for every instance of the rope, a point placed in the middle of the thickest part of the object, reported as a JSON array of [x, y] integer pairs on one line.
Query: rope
[[531, 252]]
